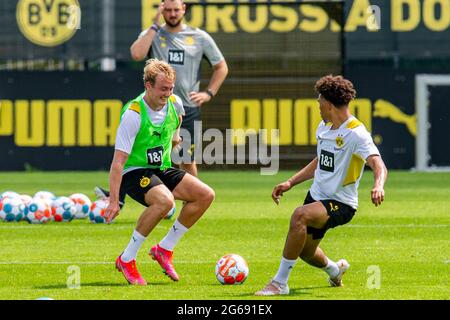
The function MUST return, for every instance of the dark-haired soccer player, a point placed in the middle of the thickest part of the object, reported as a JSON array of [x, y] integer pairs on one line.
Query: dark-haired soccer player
[[344, 146]]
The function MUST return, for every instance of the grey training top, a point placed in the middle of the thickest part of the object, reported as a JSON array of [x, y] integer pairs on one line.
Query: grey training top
[[184, 50]]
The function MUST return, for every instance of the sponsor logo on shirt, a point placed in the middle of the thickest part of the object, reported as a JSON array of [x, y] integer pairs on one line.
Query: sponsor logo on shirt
[[326, 161], [176, 57]]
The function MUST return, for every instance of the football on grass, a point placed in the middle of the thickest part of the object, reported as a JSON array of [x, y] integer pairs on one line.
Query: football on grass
[[231, 269]]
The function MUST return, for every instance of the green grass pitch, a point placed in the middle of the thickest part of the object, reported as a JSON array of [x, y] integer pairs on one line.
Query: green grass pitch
[[400, 250]]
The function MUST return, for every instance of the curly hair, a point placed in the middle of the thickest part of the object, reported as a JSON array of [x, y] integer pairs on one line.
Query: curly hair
[[155, 67], [336, 89]]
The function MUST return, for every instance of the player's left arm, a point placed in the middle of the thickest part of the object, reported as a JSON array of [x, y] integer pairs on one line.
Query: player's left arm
[[220, 72], [220, 69], [176, 138], [380, 175]]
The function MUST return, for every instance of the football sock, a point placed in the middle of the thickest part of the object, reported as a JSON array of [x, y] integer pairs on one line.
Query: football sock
[[135, 243], [332, 268], [175, 233], [284, 270]]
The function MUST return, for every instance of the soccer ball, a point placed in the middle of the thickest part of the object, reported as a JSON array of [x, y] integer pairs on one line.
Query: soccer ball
[[63, 209], [44, 195], [38, 211], [47, 196], [171, 212], [9, 194], [26, 199], [11, 209], [231, 269], [97, 212], [82, 204]]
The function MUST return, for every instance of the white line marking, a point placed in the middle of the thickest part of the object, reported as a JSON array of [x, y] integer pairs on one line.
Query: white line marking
[[397, 225], [55, 262], [84, 262], [13, 225], [113, 227]]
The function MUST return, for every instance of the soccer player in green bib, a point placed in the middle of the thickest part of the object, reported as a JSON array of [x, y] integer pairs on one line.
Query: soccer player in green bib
[[142, 168]]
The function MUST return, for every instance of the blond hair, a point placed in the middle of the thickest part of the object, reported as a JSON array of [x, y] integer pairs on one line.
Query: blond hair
[[155, 67]]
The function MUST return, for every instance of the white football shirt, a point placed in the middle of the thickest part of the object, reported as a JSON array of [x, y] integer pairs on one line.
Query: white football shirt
[[341, 155]]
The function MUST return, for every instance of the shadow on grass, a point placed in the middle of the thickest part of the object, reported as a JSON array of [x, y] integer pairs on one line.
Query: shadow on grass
[[97, 284], [293, 292]]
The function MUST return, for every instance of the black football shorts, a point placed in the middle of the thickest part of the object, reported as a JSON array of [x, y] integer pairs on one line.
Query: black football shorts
[[138, 182], [338, 212]]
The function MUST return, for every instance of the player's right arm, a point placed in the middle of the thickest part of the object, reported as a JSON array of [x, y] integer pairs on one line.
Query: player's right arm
[[303, 175], [115, 179], [126, 134], [380, 175], [140, 47], [366, 149]]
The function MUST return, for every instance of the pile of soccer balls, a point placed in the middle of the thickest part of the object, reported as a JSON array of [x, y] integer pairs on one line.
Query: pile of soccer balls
[[44, 206]]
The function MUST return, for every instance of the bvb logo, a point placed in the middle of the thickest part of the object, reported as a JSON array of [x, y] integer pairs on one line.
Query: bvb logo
[[189, 41], [339, 141], [48, 22], [145, 181]]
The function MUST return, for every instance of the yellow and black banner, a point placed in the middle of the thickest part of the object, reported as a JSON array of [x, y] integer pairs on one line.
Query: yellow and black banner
[[373, 28], [68, 121], [62, 120]]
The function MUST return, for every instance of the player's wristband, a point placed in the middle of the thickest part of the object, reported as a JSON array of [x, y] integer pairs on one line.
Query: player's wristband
[[210, 93], [155, 27]]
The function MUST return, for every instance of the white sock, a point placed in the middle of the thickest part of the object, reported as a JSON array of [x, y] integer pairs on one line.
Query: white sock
[[284, 270], [332, 269], [135, 243], [175, 233]]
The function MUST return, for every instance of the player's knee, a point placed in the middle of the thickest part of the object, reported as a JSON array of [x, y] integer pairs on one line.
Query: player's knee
[[208, 195], [299, 217], [165, 203]]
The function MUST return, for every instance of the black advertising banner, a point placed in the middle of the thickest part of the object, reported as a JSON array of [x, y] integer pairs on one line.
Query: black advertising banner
[[390, 92], [439, 133], [61, 120]]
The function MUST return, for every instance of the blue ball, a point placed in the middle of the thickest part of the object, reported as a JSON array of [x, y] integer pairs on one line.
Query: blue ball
[[171, 212], [7, 208]]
